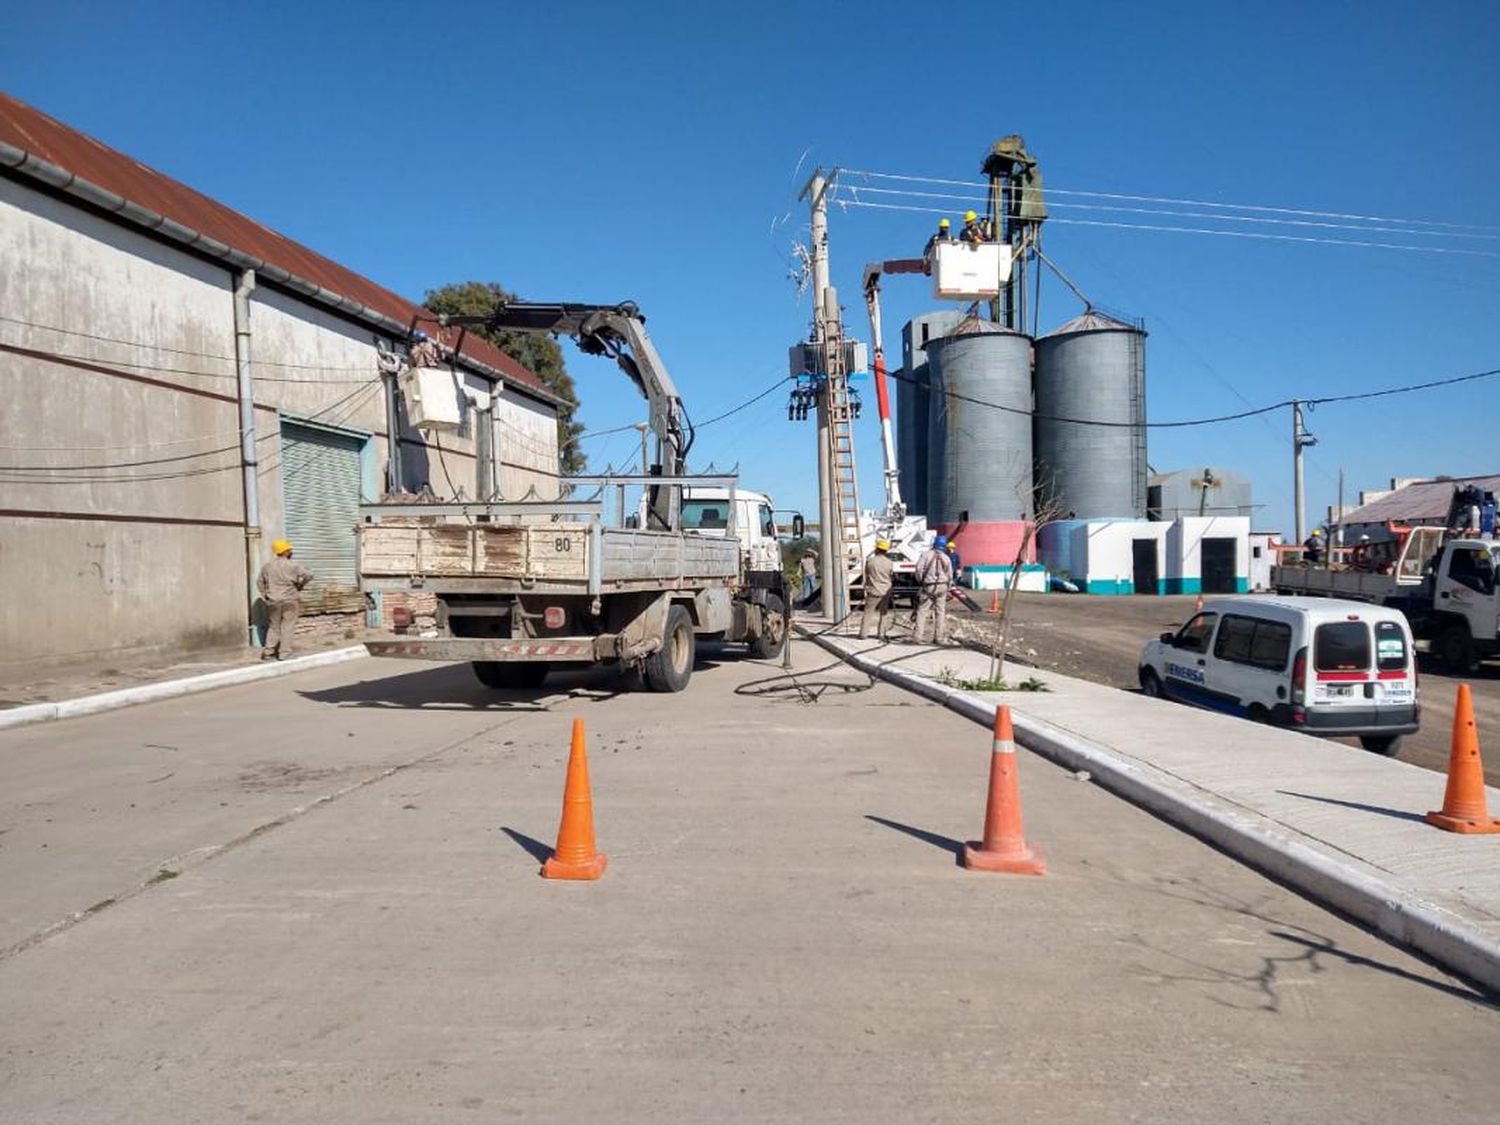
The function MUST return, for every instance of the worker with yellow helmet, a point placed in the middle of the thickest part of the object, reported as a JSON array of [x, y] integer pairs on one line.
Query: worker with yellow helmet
[[974, 229], [943, 233], [880, 572], [280, 584]]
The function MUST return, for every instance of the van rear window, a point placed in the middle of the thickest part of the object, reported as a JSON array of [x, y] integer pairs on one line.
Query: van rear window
[[1342, 646], [1390, 647]]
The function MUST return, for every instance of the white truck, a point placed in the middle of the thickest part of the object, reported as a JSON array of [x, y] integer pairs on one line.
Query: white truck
[[1445, 586], [523, 586]]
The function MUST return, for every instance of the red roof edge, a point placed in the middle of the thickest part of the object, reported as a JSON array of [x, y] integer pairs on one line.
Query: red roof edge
[[155, 201]]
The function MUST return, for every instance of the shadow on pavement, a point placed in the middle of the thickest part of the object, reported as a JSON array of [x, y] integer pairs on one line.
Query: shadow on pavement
[[947, 843], [535, 848], [452, 687], [1399, 814]]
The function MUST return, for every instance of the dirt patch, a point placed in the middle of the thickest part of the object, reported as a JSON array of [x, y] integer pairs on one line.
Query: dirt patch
[[266, 777]]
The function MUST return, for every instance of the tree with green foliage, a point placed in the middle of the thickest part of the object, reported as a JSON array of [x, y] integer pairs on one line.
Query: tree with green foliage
[[536, 351]]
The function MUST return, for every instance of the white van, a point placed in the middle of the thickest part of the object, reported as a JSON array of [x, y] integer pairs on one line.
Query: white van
[[1320, 665]]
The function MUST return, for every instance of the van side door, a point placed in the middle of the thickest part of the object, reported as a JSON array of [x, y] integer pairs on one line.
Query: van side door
[[1249, 669]]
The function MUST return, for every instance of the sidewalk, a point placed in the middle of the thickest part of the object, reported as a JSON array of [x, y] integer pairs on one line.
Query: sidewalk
[[1340, 824]]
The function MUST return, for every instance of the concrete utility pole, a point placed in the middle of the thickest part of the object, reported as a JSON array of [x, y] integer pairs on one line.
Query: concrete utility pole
[[830, 556], [1301, 439]]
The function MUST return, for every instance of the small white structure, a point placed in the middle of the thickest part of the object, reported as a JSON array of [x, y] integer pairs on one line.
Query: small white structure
[[1119, 556], [1263, 546], [1208, 555], [1032, 579], [968, 271]]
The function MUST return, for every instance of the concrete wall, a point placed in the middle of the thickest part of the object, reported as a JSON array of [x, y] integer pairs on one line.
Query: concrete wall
[[121, 506]]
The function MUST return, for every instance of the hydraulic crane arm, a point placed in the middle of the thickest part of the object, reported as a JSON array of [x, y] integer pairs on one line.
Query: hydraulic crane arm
[[617, 331], [894, 508]]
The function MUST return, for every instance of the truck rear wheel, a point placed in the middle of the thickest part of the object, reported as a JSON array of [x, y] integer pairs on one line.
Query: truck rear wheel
[[766, 644], [1455, 647], [670, 667], [508, 675]]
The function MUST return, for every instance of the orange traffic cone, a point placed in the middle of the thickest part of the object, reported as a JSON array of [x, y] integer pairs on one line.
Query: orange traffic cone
[[995, 602], [1464, 806], [1004, 845], [575, 856]]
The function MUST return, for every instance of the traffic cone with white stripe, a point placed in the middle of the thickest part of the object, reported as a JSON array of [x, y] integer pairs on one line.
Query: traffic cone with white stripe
[[1004, 845]]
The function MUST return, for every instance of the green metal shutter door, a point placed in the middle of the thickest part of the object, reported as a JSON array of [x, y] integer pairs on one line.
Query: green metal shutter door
[[320, 481]]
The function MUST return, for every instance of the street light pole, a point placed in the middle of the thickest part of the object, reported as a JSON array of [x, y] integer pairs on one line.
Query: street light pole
[[1301, 439]]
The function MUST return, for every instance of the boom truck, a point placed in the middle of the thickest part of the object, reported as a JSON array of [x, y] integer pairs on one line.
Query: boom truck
[[1444, 579], [525, 586]]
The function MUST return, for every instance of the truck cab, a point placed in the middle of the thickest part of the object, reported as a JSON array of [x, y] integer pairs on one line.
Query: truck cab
[[1465, 602], [748, 516]]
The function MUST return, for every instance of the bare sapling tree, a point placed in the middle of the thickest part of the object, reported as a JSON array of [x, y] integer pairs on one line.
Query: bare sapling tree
[[1047, 510]]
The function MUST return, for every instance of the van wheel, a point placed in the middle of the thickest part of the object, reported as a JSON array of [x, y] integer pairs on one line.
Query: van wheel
[[1456, 648], [1151, 684], [1258, 714], [766, 644], [1385, 744], [670, 667], [509, 675]]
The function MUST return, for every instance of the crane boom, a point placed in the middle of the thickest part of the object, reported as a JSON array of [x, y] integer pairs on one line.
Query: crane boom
[[894, 508], [619, 332]]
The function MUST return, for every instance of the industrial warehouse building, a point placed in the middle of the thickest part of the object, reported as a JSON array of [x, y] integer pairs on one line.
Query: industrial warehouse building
[[142, 325]]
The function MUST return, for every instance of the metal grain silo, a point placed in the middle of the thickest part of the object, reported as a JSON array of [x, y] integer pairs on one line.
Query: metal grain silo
[[1092, 368], [911, 404], [979, 457]]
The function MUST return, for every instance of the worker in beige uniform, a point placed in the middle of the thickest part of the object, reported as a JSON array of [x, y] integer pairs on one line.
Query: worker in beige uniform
[[935, 578], [280, 582], [879, 575]]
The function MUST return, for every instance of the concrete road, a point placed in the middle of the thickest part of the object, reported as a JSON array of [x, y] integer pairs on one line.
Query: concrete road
[[1100, 639], [316, 900]]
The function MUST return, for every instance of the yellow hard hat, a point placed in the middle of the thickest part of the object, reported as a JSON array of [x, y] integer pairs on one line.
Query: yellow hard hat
[[281, 547], [1317, 531], [882, 544], [970, 216], [944, 224]]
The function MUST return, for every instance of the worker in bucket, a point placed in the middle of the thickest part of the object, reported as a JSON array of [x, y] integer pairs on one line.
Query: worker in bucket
[[280, 584], [880, 574], [935, 578], [944, 234], [1312, 547], [807, 567], [973, 231]]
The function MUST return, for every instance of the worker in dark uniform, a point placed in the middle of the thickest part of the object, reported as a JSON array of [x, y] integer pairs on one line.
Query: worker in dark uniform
[[943, 234], [1312, 548], [974, 231]]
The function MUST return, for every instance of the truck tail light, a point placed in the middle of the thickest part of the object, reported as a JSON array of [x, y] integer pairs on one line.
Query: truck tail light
[[555, 617]]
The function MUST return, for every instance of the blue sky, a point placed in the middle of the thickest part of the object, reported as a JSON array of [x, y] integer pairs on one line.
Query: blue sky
[[604, 151]]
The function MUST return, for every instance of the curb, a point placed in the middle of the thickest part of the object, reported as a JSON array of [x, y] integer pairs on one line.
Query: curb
[[147, 693], [1399, 913]]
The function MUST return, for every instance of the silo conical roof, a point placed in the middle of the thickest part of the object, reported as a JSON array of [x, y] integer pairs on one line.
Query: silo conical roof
[[1092, 321]]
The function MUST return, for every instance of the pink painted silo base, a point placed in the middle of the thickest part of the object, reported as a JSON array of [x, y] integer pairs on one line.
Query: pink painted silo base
[[992, 543]]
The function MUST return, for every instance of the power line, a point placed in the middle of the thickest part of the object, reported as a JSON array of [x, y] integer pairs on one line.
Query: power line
[[1251, 413], [1183, 202], [747, 403], [1212, 216], [1201, 230]]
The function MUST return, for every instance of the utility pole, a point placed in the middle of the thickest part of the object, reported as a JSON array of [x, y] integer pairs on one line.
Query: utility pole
[[1340, 533], [1301, 439], [644, 428], [830, 554]]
